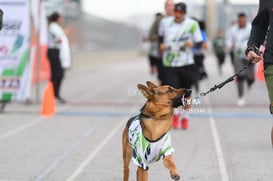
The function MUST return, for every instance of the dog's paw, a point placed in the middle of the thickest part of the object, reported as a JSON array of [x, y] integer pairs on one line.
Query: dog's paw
[[175, 177]]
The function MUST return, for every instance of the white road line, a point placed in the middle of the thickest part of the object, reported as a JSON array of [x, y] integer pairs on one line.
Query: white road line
[[38, 120], [218, 150], [25, 126], [217, 146], [18, 130], [81, 167], [68, 151]]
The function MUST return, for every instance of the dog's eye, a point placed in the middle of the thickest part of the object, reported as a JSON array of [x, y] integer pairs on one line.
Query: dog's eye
[[170, 90], [159, 93]]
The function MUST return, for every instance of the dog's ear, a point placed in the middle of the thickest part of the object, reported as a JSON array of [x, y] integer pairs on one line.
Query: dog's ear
[[147, 92], [151, 85]]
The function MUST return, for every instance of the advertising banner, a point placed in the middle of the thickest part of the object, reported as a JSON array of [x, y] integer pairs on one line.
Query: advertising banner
[[15, 70], [38, 57]]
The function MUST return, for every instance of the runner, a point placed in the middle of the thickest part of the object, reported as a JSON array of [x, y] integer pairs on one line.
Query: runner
[[177, 37]]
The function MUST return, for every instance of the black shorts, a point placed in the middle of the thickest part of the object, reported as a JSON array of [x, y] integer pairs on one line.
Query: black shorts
[[157, 61], [153, 60], [180, 77], [160, 69]]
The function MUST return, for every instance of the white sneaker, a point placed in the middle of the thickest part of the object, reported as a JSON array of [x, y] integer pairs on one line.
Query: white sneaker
[[241, 102]]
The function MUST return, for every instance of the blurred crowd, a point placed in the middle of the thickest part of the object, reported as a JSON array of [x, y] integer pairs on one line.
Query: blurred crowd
[[227, 44], [177, 50]]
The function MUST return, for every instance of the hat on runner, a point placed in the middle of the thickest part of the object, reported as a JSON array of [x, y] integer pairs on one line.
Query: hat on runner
[[180, 7]]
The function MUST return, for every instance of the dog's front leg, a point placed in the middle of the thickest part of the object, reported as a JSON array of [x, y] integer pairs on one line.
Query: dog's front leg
[[127, 154], [142, 175], [169, 164]]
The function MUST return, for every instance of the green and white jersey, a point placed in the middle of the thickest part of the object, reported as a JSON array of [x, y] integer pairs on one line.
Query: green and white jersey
[[145, 151], [175, 35], [238, 37]]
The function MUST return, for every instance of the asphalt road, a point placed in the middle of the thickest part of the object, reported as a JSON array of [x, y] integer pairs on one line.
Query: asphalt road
[[82, 141]]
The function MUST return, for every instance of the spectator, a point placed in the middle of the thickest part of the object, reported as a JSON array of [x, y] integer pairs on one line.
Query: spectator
[[237, 40], [177, 37], [58, 53]]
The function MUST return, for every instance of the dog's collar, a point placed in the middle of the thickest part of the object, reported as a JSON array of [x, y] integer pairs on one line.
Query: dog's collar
[[141, 115], [163, 103], [144, 116]]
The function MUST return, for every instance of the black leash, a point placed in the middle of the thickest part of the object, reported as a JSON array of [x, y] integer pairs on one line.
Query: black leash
[[231, 78], [219, 86], [196, 100]]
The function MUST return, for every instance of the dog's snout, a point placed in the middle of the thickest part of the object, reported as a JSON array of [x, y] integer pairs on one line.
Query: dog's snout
[[188, 92]]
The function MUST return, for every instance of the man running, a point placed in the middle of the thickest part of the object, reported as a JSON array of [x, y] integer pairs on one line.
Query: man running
[[177, 36]]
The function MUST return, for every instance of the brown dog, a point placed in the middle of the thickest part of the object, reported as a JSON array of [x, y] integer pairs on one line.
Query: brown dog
[[146, 137]]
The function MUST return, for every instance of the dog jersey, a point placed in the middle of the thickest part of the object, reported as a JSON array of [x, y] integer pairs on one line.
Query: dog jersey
[[175, 35], [144, 151]]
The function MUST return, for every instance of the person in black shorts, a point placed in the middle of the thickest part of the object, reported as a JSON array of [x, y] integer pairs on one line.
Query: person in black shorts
[[178, 35]]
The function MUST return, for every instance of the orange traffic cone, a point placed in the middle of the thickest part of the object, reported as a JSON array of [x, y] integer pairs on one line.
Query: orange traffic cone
[[48, 103], [259, 73]]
